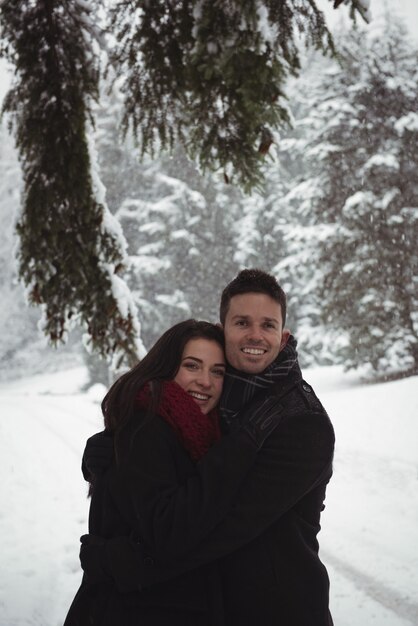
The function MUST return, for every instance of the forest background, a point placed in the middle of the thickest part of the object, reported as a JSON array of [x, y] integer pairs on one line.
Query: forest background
[[336, 221]]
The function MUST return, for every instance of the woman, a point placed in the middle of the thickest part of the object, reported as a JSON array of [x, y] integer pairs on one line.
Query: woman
[[163, 416]]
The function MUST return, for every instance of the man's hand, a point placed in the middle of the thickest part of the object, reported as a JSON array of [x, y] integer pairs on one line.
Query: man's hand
[[98, 455]]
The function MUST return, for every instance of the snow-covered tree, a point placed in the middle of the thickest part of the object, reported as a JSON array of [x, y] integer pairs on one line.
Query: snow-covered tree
[[14, 328], [360, 200], [207, 76], [181, 245], [263, 233], [178, 223], [23, 349], [215, 69], [71, 251]]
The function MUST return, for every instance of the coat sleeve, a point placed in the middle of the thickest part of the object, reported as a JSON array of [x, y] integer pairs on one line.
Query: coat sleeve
[[172, 517], [295, 458]]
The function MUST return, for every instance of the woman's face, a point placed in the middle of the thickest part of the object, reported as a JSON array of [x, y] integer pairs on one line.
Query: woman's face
[[201, 372]]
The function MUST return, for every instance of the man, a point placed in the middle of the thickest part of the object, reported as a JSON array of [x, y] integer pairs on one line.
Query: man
[[266, 544]]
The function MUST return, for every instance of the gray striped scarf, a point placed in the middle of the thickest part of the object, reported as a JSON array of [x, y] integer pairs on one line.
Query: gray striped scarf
[[240, 388]]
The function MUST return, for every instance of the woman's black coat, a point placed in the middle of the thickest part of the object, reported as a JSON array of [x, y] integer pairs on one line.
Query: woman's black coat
[[155, 483]]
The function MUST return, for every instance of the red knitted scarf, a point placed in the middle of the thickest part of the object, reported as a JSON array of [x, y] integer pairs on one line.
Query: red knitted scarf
[[196, 431]]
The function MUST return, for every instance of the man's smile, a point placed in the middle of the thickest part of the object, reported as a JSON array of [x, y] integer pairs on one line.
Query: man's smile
[[254, 351]]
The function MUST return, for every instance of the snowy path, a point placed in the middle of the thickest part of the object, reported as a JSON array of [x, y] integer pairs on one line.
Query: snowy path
[[369, 540], [44, 505]]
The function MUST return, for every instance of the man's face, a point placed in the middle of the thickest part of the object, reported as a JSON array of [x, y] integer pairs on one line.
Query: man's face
[[254, 332]]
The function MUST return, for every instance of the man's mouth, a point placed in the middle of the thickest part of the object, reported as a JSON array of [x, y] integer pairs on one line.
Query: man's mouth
[[199, 396], [254, 351]]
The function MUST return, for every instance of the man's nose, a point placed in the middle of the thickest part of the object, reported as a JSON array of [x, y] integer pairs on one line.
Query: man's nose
[[255, 333]]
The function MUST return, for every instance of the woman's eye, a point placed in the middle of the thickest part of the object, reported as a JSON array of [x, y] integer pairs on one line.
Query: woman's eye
[[220, 372], [190, 365], [241, 323]]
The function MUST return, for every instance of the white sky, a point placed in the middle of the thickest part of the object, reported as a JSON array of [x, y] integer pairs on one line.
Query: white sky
[[407, 8]]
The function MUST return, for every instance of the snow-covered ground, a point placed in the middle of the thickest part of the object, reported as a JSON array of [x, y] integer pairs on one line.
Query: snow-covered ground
[[369, 538]]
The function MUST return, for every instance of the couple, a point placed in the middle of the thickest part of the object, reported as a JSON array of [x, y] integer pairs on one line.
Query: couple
[[207, 515]]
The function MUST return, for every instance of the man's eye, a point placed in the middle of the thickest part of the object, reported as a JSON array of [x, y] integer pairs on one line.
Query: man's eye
[[241, 323], [269, 325]]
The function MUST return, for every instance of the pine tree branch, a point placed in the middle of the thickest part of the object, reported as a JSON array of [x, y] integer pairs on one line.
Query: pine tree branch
[[68, 257]]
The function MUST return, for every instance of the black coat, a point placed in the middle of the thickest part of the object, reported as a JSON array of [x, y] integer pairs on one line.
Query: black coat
[[277, 579], [265, 540], [155, 490]]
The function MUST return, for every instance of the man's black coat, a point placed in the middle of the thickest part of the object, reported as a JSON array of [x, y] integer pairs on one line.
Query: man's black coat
[[258, 515]]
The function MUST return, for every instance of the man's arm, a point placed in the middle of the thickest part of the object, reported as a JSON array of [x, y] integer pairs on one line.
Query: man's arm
[[172, 517], [293, 460], [173, 513]]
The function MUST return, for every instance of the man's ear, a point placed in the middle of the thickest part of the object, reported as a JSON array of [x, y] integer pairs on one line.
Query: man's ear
[[285, 338]]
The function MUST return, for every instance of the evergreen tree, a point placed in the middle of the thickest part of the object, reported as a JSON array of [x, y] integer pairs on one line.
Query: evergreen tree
[[71, 249], [23, 349], [269, 227], [181, 245], [361, 200], [295, 264], [208, 76], [14, 325], [217, 69], [179, 225]]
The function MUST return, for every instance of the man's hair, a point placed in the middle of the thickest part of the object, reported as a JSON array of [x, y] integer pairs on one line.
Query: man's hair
[[252, 281]]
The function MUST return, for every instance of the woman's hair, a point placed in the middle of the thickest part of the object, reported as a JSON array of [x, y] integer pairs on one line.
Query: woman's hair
[[161, 363]]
